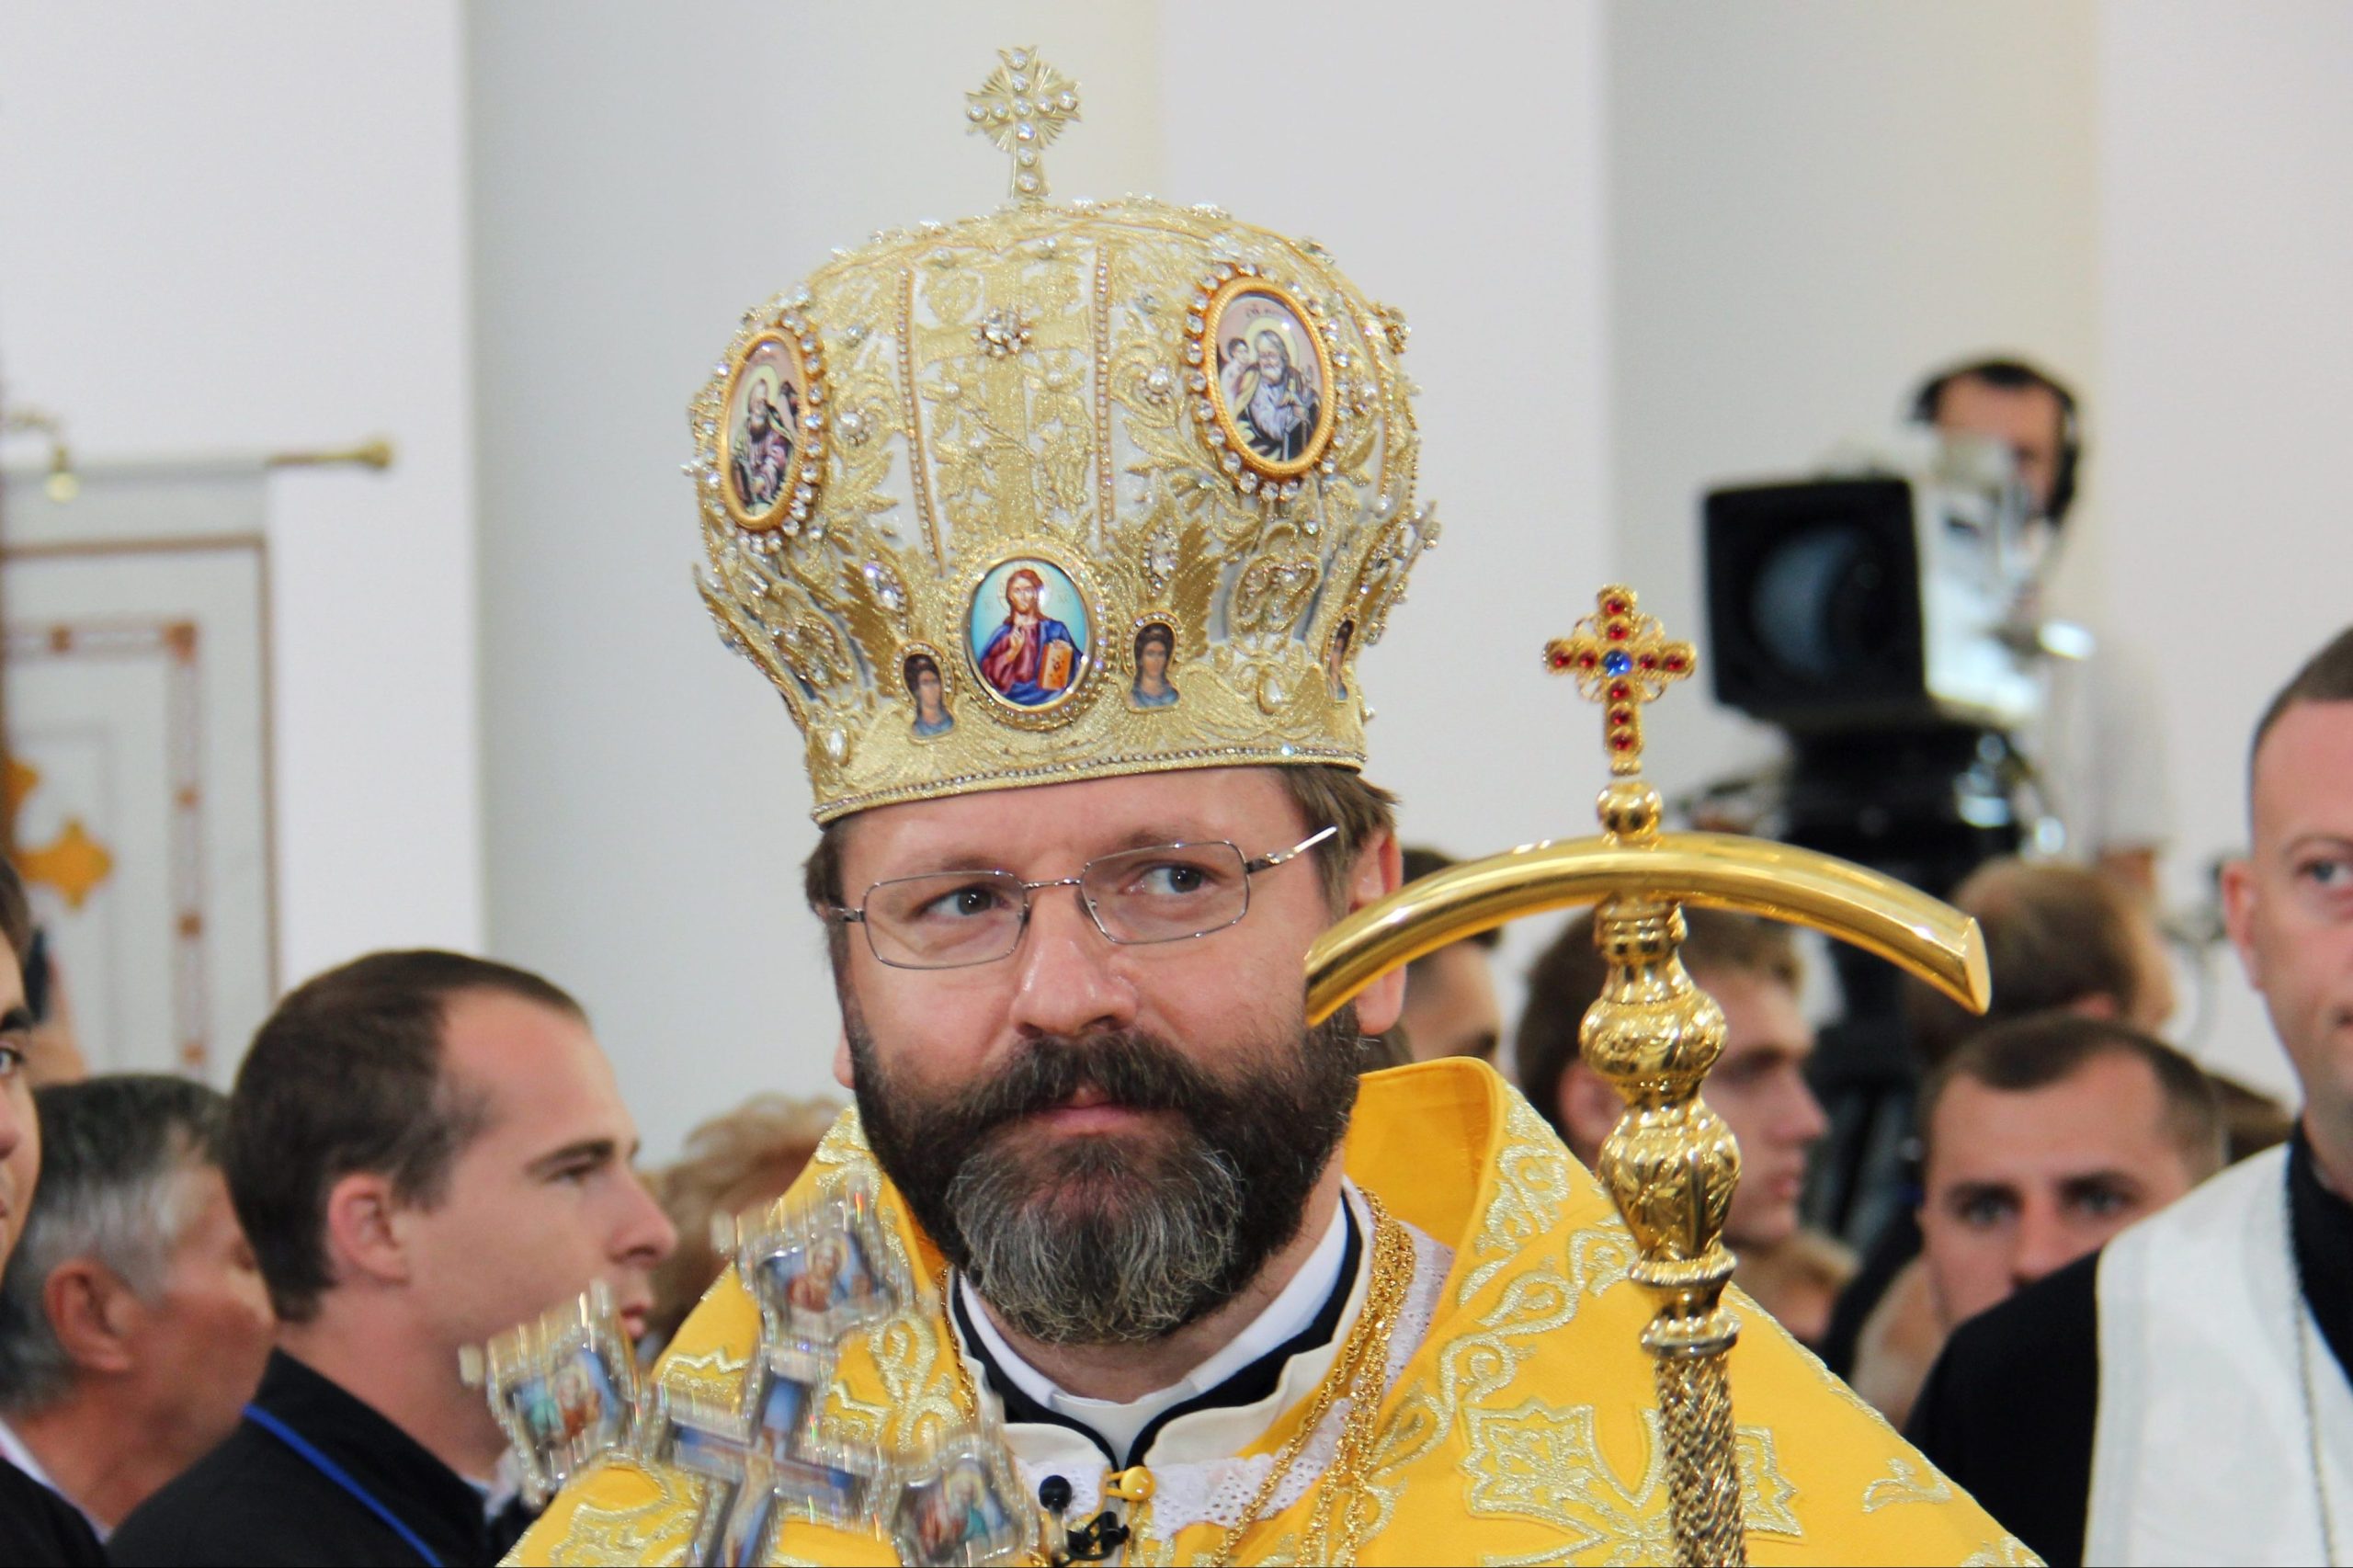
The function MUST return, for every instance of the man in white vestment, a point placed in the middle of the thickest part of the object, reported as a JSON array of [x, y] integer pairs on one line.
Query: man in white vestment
[[2183, 1395]]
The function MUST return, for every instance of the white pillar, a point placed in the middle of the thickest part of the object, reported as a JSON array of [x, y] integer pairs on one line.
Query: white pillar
[[642, 176]]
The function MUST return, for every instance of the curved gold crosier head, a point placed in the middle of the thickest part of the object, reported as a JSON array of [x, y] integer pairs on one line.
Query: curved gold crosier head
[[1670, 1164]]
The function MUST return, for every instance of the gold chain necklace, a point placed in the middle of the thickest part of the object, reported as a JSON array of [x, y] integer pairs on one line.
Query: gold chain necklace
[[1360, 1371]]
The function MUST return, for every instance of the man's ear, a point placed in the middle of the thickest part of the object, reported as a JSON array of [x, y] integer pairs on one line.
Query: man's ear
[[2238, 913], [92, 1312], [844, 1065], [1380, 870], [366, 1236]]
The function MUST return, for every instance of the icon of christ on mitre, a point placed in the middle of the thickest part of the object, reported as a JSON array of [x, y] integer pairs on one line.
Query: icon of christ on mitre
[[1174, 1284]]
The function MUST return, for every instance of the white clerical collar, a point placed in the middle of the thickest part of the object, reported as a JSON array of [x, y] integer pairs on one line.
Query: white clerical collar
[[1284, 1318], [13, 1449]]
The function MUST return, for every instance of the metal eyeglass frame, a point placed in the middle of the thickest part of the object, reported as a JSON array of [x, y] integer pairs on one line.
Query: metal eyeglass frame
[[1250, 868]]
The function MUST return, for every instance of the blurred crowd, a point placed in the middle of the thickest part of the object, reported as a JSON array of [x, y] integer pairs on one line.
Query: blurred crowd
[[233, 1322]]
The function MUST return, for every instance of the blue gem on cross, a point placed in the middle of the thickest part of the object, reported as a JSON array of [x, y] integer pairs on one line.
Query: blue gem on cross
[[1617, 660]]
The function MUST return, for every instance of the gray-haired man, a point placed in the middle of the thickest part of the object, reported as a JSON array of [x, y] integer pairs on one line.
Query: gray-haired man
[[133, 1324]]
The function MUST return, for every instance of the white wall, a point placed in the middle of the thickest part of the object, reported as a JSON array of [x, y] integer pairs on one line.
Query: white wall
[[2227, 318], [1457, 173], [241, 227], [1812, 206]]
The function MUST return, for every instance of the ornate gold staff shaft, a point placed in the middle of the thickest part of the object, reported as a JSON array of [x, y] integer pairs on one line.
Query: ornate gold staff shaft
[[1670, 1163]]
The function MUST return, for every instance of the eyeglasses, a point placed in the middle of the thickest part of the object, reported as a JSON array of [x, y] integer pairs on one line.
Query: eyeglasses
[[1164, 893]]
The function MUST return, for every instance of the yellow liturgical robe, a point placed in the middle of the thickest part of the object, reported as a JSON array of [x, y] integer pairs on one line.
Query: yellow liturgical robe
[[1520, 1424]]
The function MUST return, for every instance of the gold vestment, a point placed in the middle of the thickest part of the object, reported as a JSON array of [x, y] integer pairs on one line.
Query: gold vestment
[[1522, 1428]]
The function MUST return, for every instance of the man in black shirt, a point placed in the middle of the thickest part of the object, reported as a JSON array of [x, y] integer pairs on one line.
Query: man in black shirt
[[2184, 1396], [425, 1150]]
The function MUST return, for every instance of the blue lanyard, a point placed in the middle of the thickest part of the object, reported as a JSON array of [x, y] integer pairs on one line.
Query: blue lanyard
[[336, 1473]]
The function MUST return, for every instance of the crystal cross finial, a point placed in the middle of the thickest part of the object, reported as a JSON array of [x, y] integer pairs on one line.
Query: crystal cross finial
[[1022, 108], [1622, 661]]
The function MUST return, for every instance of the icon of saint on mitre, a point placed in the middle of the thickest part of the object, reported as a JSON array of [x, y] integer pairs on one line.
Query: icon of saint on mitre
[[928, 690], [1155, 648], [1030, 632], [762, 423], [1270, 391], [764, 445]]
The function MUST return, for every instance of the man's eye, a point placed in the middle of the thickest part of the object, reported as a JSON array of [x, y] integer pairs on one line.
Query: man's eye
[[963, 904], [1172, 878], [12, 1057], [1984, 1210], [2333, 873], [2103, 1202]]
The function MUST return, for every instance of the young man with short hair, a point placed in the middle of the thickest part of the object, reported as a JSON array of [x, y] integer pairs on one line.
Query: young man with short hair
[[2183, 1395], [132, 1302], [2041, 1138], [2044, 1138], [1758, 1087], [425, 1149], [2058, 939]]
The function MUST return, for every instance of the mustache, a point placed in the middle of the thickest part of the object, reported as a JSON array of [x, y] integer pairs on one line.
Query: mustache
[[1127, 1067]]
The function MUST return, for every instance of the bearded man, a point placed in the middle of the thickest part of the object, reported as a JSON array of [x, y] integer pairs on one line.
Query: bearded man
[[1202, 1289]]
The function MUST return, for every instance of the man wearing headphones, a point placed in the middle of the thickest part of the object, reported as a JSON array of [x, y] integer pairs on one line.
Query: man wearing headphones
[[2098, 747]]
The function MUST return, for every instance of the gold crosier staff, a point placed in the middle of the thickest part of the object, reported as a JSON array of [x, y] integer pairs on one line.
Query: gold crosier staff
[[1670, 1163]]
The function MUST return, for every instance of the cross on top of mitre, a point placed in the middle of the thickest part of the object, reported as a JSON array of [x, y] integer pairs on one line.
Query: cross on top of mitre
[[1022, 108], [1622, 660]]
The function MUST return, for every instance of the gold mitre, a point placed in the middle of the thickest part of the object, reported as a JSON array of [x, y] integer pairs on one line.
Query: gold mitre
[[1065, 491]]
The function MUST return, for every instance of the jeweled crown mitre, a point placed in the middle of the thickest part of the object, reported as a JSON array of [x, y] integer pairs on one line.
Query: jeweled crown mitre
[[1063, 491]]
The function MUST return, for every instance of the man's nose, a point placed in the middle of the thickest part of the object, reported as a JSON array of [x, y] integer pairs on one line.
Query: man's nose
[[1067, 984], [2045, 1246], [645, 1235], [1803, 1121]]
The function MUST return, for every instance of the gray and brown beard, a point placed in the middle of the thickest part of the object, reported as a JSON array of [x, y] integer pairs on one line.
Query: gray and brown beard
[[1104, 1240]]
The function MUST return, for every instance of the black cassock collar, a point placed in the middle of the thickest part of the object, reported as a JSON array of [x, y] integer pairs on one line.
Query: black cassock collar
[[1248, 1384], [2320, 1223]]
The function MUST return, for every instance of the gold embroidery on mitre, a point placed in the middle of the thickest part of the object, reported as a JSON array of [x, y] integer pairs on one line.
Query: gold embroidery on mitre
[[1058, 387]]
